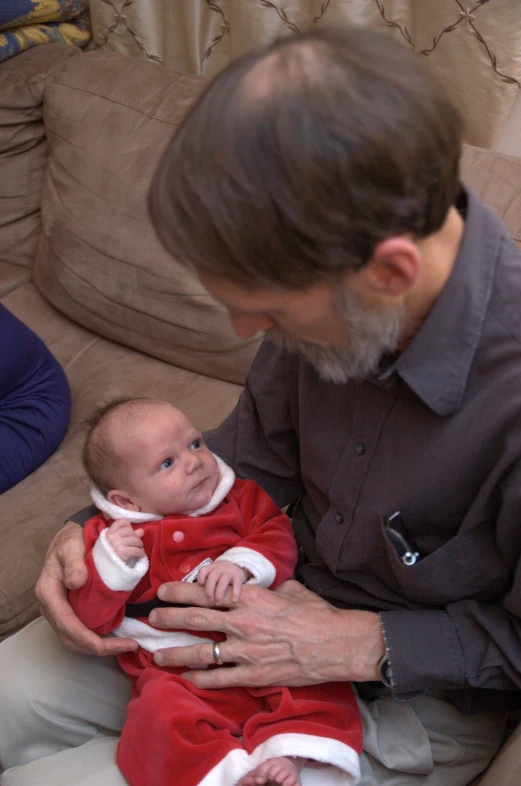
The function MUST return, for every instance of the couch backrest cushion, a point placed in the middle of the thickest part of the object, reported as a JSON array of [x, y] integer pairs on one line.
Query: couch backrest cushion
[[23, 149], [108, 119], [496, 178]]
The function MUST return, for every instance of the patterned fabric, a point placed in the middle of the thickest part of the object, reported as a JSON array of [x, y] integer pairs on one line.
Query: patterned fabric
[[26, 23], [473, 46]]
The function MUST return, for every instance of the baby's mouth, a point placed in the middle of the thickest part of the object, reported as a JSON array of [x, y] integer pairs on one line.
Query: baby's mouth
[[199, 483]]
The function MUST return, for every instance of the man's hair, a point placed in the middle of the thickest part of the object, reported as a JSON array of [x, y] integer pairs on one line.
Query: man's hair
[[100, 455], [300, 157]]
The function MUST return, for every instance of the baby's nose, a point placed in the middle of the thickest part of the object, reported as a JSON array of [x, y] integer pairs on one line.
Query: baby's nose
[[192, 462]]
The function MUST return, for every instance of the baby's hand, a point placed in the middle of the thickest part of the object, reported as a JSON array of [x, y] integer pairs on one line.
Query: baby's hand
[[219, 576], [126, 541]]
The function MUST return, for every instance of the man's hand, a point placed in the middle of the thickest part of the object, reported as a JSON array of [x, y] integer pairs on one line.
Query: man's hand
[[287, 637], [216, 579], [64, 568], [125, 540]]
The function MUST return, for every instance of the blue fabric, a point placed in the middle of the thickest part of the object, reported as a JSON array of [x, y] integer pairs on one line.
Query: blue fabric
[[12, 9], [27, 23], [34, 401]]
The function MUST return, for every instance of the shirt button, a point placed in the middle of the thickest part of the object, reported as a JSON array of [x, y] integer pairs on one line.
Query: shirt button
[[178, 536], [339, 518], [360, 448], [185, 567]]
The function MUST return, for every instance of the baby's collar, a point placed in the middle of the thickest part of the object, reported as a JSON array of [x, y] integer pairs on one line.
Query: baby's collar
[[226, 481]]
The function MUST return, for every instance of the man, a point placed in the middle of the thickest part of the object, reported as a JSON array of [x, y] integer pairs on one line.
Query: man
[[315, 190]]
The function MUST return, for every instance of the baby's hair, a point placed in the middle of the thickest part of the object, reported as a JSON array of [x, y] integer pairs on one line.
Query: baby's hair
[[100, 457]]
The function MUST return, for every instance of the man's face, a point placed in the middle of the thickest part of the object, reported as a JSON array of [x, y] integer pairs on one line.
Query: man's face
[[166, 466], [342, 336]]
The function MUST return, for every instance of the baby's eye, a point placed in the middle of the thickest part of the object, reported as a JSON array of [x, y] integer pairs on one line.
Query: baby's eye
[[196, 444], [167, 463]]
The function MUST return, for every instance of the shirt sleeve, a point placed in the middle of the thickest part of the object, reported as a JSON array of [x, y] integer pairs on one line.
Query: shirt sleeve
[[83, 515], [469, 643], [258, 439]]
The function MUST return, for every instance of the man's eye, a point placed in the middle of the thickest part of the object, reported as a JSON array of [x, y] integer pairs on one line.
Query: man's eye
[[167, 463], [195, 444]]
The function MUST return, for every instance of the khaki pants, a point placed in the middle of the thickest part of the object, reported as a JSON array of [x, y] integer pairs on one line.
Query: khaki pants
[[61, 714]]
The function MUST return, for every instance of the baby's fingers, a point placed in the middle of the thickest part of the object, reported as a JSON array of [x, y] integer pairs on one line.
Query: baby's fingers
[[120, 525], [202, 574], [237, 585], [134, 541], [210, 584], [225, 580], [128, 552]]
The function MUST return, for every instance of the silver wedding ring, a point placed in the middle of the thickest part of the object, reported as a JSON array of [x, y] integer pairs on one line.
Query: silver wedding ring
[[217, 654]]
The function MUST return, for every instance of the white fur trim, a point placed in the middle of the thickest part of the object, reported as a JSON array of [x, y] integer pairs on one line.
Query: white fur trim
[[345, 769], [113, 571], [152, 639], [230, 770], [226, 481], [116, 512], [262, 570]]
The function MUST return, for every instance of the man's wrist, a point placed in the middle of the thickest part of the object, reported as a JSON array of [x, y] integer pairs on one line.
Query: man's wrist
[[372, 649]]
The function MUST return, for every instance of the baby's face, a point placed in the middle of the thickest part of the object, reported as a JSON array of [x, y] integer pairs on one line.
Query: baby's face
[[167, 468]]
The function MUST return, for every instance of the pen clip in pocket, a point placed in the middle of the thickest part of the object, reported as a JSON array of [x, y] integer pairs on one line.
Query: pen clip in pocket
[[394, 532]]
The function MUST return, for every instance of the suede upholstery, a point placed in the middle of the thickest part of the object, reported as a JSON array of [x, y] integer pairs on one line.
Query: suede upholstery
[[23, 151], [122, 284], [80, 135]]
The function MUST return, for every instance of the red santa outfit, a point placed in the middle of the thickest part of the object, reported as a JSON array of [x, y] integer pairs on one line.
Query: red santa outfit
[[176, 734]]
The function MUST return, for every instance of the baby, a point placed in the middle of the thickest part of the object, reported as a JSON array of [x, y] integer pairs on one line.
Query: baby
[[173, 511]]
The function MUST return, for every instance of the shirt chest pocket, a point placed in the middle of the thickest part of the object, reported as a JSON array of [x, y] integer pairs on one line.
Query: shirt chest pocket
[[466, 566]]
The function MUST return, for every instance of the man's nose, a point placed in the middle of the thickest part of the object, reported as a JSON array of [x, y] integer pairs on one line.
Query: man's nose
[[245, 326]]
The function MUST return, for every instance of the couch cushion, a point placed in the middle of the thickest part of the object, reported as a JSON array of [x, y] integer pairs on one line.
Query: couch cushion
[[12, 276], [496, 179], [98, 370], [23, 149], [108, 119]]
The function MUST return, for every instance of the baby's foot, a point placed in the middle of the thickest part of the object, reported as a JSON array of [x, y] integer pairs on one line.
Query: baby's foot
[[280, 772]]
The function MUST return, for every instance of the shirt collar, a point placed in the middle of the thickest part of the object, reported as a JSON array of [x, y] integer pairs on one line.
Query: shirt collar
[[436, 364]]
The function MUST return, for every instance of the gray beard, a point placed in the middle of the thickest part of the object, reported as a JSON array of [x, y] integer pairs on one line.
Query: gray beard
[[370, 334]]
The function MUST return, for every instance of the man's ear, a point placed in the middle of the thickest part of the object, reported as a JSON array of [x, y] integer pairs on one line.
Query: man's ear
[[394, 266], [122, 499]]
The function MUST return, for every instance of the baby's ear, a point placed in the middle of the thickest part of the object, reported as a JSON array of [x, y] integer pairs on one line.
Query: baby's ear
[[122, 499]]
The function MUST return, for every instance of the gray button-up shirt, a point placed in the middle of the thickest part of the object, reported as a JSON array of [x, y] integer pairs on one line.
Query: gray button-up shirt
[[436, 436]]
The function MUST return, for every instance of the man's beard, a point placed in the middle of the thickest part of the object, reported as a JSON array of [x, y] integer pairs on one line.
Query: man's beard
[[370, 334]]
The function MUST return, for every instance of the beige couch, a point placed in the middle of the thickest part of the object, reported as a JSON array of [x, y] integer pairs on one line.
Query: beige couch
[[80, 135]]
